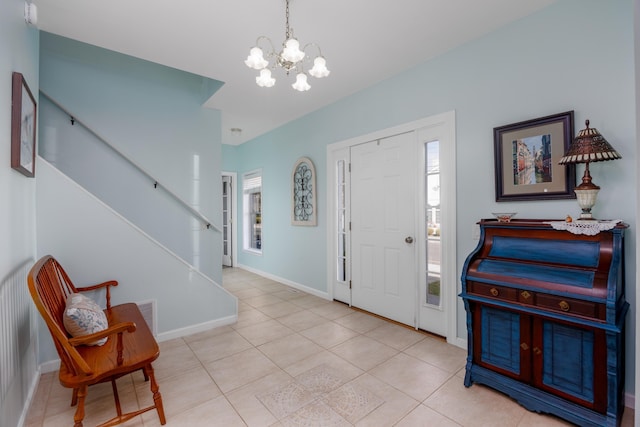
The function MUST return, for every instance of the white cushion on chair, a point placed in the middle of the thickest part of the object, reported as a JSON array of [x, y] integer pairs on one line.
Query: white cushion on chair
[[83, 316]]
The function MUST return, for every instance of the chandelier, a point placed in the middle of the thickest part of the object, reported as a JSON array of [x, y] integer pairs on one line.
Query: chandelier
[[290, 58]]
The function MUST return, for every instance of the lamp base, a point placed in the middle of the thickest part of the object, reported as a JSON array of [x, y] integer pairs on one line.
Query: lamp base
[[586, 201]]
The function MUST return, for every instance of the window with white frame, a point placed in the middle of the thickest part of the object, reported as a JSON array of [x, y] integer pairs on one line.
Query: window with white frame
[[252, 211]]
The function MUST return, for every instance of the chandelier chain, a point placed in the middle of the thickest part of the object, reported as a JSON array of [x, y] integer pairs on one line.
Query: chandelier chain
[[288, 33]]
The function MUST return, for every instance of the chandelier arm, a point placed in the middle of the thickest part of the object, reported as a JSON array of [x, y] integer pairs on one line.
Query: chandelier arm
[[270, 43], [304, 49]]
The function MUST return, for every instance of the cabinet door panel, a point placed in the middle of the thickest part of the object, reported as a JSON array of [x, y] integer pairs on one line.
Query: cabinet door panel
[[569, 362], [502, 340]]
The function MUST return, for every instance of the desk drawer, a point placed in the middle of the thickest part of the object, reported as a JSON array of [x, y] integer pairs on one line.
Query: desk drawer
[[570, 306], [493, 291]]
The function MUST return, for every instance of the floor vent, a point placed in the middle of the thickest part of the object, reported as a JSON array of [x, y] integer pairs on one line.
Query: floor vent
[[148, 309]]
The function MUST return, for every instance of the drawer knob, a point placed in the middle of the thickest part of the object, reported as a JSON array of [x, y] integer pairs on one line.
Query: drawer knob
[[564, 306], [524, 346], [537, 351], [525, 294], [494, 292]]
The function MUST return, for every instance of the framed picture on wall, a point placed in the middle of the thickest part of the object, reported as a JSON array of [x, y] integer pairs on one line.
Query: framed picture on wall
[[526, 159], [23, 127], [303, 203]]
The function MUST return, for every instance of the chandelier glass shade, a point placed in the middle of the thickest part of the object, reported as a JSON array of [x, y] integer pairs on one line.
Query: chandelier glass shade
[[291, 58]]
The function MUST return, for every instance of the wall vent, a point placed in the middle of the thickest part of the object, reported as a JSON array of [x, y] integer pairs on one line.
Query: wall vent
[[148, 309]]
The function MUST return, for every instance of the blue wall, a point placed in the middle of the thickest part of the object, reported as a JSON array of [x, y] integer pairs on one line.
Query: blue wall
[[18, 52], [152, 114], [574, 55]]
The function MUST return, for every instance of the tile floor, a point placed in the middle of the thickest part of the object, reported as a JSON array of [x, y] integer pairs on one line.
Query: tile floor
[[294, 359]]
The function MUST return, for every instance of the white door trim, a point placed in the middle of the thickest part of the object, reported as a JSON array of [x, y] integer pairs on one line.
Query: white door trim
[[449, 272], [234, 215]]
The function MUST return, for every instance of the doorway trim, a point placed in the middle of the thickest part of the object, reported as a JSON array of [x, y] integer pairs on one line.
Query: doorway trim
[[234, 215], [336, 151]]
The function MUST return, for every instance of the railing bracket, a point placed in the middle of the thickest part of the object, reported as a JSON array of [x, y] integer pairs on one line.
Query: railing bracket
[[208, 225], [155, 184], [73, 120]]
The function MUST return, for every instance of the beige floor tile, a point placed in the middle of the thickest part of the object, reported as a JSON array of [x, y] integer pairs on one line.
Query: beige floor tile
[[287, 399], [346, 370], [248, 293], [208, 333], [412, 376], [353, 401], [289, 349], [302, 320], [364, 352], [263, 332], [398, 337], [532, 419], [423, 416], [97, 411], [178, 393], [249, 317], [628, 417], [240, 369], [246, 402], [289, 294], [237, 285], [329, 334], [280, 309], [270, 286], [360, 369], [310, 301], [360, 322], [36, 411], [333, 310], [174, 360], [262, 300], [477, 398], [219, 346], [395, 407], [438, 353], [216, 412], [317, 414]]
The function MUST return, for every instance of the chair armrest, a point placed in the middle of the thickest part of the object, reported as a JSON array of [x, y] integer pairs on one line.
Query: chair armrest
[[106, 284], [118, 328]]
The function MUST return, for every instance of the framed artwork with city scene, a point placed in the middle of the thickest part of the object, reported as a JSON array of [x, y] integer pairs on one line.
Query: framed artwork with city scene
[[23, 127], [526, 159]]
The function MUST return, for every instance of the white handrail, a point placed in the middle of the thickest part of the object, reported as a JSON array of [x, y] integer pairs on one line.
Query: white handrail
[[155, 182]]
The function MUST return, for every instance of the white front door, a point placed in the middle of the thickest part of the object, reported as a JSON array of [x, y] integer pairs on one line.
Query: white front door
[[383, 227]]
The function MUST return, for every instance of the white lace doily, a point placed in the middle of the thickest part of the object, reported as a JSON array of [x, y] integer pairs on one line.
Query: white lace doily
[[590, 228]]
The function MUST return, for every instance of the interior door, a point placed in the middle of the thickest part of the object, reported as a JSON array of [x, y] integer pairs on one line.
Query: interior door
[[383, 227], [226, 221]]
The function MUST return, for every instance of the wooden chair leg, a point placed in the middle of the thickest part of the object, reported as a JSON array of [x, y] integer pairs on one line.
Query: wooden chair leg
[[157, 397], [74, 397], [116, 398], [80, 393]]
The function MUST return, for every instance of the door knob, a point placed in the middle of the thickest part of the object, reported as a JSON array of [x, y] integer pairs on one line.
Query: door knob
[[409, 239]]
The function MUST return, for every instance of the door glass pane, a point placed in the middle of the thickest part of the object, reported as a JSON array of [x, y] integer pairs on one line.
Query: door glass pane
[[432, 221], [341, 232]]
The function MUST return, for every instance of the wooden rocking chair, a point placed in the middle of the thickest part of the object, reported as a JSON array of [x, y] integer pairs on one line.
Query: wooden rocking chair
[[130, 345]]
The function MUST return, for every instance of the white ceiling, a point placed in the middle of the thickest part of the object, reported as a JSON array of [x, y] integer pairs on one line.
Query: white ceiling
[[364, 42]]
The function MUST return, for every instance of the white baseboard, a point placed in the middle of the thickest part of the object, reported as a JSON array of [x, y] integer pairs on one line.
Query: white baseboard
[[192, 329], [630, 401], [300, 287]]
